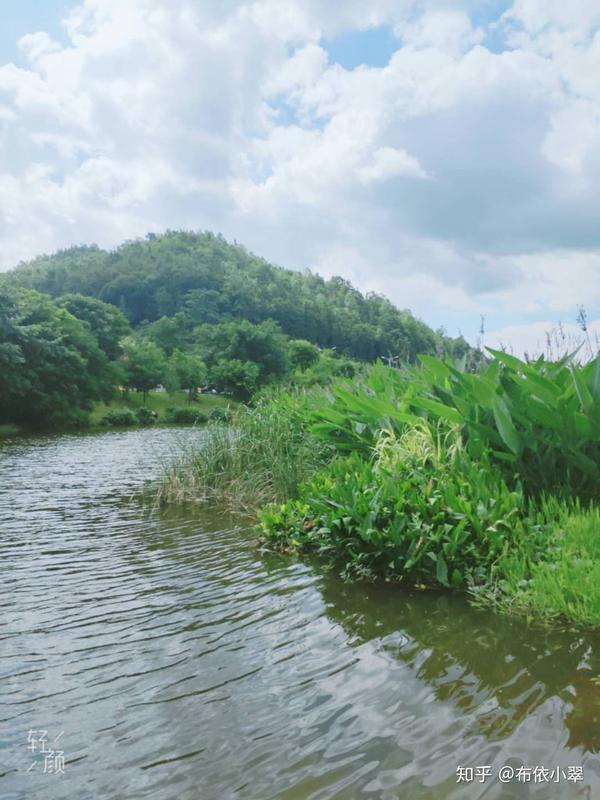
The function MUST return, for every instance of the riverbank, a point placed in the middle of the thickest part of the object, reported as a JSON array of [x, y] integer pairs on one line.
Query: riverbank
[[159, 403], [432, 479]]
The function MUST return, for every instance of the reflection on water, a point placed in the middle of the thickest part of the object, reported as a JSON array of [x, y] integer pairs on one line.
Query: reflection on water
[[180, 663]]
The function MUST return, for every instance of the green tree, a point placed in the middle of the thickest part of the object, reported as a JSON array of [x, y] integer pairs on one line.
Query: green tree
[[185, 371], [51, 367], [240, 340], [106, 322], [236, 378], [144, 364]]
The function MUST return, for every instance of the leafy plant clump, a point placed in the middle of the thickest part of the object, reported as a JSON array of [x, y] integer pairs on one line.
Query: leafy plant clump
[[145, 416], [219, 414], [120, 418], [421, 512], [538, 422], [186, 415]]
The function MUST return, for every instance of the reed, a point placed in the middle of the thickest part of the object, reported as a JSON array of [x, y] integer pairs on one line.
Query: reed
[[262, 456]]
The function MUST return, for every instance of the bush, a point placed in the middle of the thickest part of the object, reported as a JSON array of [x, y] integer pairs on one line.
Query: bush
[[145, 416], [186, 415], [421, 512], [119, 418], [219, 414]]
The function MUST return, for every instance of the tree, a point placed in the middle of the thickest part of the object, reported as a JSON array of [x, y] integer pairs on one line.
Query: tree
[[106, 322], [236, 378], [240, 340], [51, 367], [303, 354], [185, 371], [144, 364], [207, 280], [169, 333]]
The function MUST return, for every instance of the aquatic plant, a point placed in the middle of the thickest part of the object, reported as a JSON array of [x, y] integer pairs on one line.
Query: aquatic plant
[[421, 511], [263, 455], [556, 575], [539, 422]]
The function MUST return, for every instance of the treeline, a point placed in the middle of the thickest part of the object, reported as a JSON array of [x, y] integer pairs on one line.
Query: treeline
[[185, 310], [207, 281]]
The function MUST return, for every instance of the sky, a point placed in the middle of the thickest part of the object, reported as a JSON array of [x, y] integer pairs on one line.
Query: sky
[[445, 153]]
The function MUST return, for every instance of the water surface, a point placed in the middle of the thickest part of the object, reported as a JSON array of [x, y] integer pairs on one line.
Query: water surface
[[173, 661]]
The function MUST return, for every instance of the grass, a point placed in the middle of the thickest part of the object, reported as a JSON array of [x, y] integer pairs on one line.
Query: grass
[[263, 456], [157, 401], [560, 579]]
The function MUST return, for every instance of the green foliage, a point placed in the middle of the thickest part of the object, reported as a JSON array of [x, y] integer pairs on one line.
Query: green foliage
[[421, 512], [263, 456], [51, 367], [106, 322], [145, 416], [120, 418], [144, 364], [220, 415], [197, 278], [539, 421], [235, 378], [558, 574], [169, 333], [303, 354], [186, 415], [263, 345], [185, 371]]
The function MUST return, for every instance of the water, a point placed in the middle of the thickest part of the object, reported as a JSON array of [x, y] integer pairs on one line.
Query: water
[[172, 661]]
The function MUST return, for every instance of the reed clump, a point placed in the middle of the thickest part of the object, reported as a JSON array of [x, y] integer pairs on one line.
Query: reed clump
[[263, 455]]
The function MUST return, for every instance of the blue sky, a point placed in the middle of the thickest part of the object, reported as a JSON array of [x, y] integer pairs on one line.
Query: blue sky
[[28, 16], [445, 154]]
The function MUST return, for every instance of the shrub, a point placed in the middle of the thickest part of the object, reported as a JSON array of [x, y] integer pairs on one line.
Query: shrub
[[185, 415], [421, 512], [119, 418], [145, 416], [219, 414]]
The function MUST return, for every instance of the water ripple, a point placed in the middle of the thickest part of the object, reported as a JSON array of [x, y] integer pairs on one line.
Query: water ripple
[[179, 663]]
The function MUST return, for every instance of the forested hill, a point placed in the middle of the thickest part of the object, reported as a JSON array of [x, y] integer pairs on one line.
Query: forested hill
[[198, 278]]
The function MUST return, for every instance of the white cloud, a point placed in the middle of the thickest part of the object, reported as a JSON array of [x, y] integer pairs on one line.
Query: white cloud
[[452, 178]]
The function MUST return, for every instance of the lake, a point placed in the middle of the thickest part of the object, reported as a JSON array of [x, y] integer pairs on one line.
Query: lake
[[149, 654]]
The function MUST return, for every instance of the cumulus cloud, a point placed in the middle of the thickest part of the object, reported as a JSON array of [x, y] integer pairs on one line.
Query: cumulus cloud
[[458, 176]]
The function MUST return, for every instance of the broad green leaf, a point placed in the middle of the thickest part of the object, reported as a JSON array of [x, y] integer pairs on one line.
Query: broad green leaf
[[585, 398], [439, 409], [505, 425], [595, 378], [441, 570]]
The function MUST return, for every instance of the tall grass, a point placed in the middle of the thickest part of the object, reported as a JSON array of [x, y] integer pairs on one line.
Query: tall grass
[[263, 456]]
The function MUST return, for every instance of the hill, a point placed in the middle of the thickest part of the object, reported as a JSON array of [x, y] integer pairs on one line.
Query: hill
[[199, 278]]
